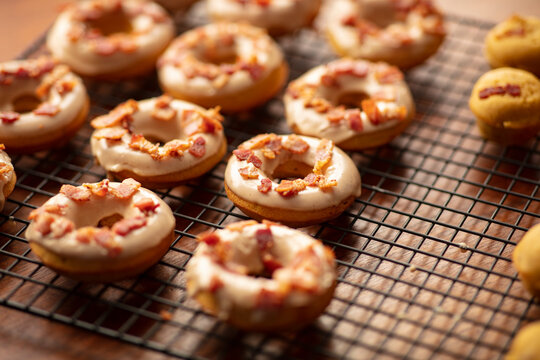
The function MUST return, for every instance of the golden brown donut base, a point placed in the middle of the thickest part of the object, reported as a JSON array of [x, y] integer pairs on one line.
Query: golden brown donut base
[[173, 179], [256, 95], [273, 320], [525, 257], [289, 217], [506, 136], [103, 271], [140, 69], [56, 139], [9, 186], [525, 345]]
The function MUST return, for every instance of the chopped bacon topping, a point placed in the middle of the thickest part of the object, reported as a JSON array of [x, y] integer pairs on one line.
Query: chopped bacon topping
[[48, 208], [104, 46], [215, 284], [270, 263], [146, 205], [254, 69], [323, 155], [295, 144], [76, 193], [512, 90], [265, 186], [125, 226], [139, 142], [312, 179], [64, 86], [288, 188], [85, 235], [238, 226], [198, 149], [163, 110], [99, 189], [269, 299], [61, 226], [209, 238], [265, 239], [249, 172], [517, 32], [388, 75], [126, 189], [211, 121], [175, 148], [355, 68], [2, 147], [43, 223], [120, 114], [372, 111], [242, 154], [112, 134], [9, 117], [47, 109], [354, 119], [104, 238], [254, 160]]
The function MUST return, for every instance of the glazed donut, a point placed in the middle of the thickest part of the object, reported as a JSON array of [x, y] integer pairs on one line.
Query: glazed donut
[[110, 39], [380, 103], [193, 139], [515, 43], [42, 104], [277, 16], [176, 6], [506, 102], [400, 32], [101, 232], [235, 66], [525, 345], [262, 277], [319, 180], [7, 176], [526, 259]]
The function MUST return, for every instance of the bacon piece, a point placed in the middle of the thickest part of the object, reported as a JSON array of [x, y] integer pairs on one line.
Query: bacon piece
[[163, 110], [112, 134], [355, 68], [323, 155], [259, 141], [175, 148], [125, 226], [99, 189], [85, 235], [254, 160], [295, 145], [255, 70], [269, 299], [64, 86], [249, 172], [215, 284], [354, 119], [76, 193], [9, 117], [265, 186], [104, 238], [198, 148], [104, 46], [365, 29], [139, 142], [146, 205], [47, 109], [512, 90], [325, 184], [349, 20], [288, 188], [209, 238], [43, 223], [265, 239], [61, 226], [270, 263], [388, 75], [517, 32], [47, 208], [120, 114], [126, 189], [211, 123], [336, 115], [312, 179], [240, 225], [126, 44], [372, 111], [242, 154]]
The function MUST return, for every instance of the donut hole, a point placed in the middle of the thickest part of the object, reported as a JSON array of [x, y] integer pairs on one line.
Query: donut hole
[[351, 100], [110, 220], [26, 103], [110, 23], [155, 140], [291, 170]]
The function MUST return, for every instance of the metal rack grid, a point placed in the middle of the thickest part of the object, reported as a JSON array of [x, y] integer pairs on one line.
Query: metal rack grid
[[423, 255]]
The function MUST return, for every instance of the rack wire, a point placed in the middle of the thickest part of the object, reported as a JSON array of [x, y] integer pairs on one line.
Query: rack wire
[[423, 255]]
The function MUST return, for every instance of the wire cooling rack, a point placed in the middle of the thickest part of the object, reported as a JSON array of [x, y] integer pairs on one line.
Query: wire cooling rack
[[423, 255]]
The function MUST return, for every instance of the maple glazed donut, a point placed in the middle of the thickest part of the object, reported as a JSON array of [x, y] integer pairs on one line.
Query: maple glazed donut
[[110, 39], [515, 43], [101, 231], [262, 277], [506, 102], [378, 103], [192, 137], [318, 180], [231, 65], [401, 32], [277, 16], [42, 104], [7, 176], [526, 259]]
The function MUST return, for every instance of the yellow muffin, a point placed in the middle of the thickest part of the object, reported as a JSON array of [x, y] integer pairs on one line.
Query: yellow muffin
[[525, 345], [526, 259], [515, 43], [506, 102]]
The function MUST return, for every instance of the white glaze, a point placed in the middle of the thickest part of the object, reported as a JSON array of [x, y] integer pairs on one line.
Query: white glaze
[[341, 168], [250, 42], [88, 213], [117, 156], [286, 15], [151, 38], [5, 177], [310, 122], [241, 290]]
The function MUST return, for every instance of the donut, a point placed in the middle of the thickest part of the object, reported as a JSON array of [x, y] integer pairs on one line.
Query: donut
[[262, 277], [526, 259], [515, 43], [176, 6], [101, 232], [295, 180], [110, 39], [42, 104], [525, 345], [355, 103], [277, 16], [506, 102], [160, 142], [400, 32], [7, 176], [235, 66]]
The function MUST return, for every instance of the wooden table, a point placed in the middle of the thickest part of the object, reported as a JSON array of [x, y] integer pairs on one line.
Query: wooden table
[[24, 336]]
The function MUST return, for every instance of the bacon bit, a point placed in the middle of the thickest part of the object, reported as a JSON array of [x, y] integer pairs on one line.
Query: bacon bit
[[2, 147], [121, 113], [104, 46], [104, 238], [294, 90], [254, 160], [365, 29], [47, 109], [269, 299], [336, 115], [211, 121], [126, 189], [242, 154], [388, 75], [85, 235], [312, 179], [270, 263], [163, 110], [355, 68], [265, 239], [249, 172], [99, 189], [323, 155], [254, 69], [215, 284], [43, 223], [295, 145], [61, 226], [125, 226], [175, 148], [198, 148], [166, 315], [75, 193], [64, 86], [512, 90], [240, 225], [9, 117], [288, 188], [112, 134], [259, 141], [371, 109], [520, 31], [139, 142], [325, 184], [318, 104], [146, 205], [126, 45], [348, 21], [354, 119], [47, 208], [210, 238], [265, 186]]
